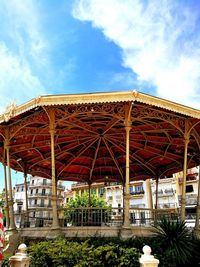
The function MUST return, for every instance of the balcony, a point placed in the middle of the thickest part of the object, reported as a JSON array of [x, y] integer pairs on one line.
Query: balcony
[[41, 184], [79, 185], [136, 193], [36, 195], [169, 192], [40, 206], [189, 178]]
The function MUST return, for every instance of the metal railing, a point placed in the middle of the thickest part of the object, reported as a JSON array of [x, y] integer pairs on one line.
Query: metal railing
[[142, 217], [94, 217]]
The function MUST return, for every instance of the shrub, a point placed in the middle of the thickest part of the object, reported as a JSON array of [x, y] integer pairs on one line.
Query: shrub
[[61, 253], [173, 242]]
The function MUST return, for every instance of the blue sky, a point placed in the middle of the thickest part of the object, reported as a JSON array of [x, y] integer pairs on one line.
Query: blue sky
[[65, 46]]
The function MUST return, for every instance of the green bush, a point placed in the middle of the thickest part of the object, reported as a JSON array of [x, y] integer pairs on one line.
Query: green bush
[[172, 245], [5, 261], [61, 253]]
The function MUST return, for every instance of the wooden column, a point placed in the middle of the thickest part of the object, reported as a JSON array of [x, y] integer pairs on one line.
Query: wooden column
[[55, 223], [12, 225], [6, 196], [183, 201]]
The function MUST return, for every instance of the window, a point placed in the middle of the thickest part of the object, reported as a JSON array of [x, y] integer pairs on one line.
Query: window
[[101, 191], [32, 181], [136, 189], [42, 203], [139, 188], [119, 208], [36, 191], [142, 217], [22, 189], [19, 209], [35, 202], [133, 217], [31, 191], [131, 189], [43, 192], [44, 181], [189, 188]]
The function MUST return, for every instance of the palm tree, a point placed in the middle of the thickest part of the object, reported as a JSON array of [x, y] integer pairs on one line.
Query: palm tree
[[175, 240]]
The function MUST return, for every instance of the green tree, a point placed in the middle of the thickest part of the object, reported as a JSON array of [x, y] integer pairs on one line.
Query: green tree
[[81, 211], [2, 201], [82, 201]]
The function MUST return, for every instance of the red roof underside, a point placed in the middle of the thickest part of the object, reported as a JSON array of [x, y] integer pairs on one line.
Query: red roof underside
[[90, 142]]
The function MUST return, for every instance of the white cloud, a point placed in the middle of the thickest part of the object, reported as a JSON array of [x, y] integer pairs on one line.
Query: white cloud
[[24, 29], [158, 39], [22, 53], [17, 83]]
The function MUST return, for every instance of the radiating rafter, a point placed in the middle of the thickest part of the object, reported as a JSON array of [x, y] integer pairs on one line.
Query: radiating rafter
[[78, 155], [94, 159], [113, 158]]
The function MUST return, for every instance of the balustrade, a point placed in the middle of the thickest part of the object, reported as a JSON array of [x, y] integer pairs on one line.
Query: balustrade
[[41, 217]]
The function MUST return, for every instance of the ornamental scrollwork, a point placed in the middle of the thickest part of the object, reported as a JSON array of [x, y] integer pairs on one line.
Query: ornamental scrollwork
[[10, 111], [38, 117]]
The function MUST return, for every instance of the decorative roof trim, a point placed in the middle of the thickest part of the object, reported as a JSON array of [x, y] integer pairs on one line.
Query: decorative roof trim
[[93, 98]]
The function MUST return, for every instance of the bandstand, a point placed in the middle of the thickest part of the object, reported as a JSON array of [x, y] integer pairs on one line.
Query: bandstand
[[98, 137]]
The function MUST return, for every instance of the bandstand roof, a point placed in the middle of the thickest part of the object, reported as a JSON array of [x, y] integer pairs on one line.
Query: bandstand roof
[[90, 136]]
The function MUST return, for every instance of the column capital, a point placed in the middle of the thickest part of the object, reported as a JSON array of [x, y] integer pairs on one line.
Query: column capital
[[127, 196], [52, 131], [6, 146], [128, 126], [186, 138]]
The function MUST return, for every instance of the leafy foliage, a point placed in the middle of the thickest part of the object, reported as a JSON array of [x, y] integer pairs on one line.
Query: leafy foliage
[[61, 253], [80, 215], [174, 241], [5, 261], [82, 201]]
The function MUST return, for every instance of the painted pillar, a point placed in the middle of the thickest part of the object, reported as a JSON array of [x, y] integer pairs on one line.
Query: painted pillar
[[149, 194], [89, 194], [127, 181], [198, 204], [183, 200], [12, 225], [55, 223], [6, 196], [26, 195]]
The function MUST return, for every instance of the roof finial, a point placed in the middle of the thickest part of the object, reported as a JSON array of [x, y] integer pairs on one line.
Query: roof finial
[[135, 93], [9, 111]]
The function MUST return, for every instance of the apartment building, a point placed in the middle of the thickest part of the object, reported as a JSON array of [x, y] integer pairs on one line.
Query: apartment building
[[143, 193], [19, 195], [39, 199]]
